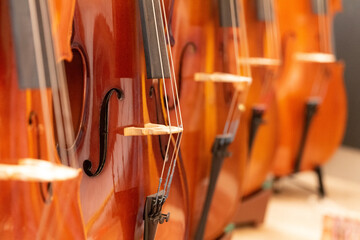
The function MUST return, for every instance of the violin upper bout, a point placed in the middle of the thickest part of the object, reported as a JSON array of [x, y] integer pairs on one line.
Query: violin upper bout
[[62, 14]]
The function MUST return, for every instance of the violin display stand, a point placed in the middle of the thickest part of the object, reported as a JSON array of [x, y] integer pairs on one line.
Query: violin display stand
[[252, 208], [311, 109], [319, 174]]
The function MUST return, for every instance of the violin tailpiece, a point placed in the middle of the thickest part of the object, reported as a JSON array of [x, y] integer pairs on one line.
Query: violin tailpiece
[[153, 215]]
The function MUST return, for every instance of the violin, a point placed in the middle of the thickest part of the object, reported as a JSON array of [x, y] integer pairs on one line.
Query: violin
[[310, 92], [261, 109], [212, 81], [126, 139], [40, 198]]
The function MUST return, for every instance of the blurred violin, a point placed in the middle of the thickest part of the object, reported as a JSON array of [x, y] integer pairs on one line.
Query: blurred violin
[[209, 44], [40, 199], [126, 139], [310, 93], [261, 110]]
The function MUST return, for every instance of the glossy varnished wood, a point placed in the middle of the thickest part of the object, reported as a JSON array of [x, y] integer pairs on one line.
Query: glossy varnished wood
[[108, 35]]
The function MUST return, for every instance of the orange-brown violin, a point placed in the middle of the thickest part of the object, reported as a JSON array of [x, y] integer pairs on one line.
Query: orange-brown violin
[[118, 78], [212, 82], [310, 92], [40, 198]]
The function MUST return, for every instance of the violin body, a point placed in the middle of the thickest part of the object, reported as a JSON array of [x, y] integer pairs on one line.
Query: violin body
[[304, 81], [108, 95], [260, 116], [200, 48], [32, 206], [262, 152], [27, 213], [327, 127]]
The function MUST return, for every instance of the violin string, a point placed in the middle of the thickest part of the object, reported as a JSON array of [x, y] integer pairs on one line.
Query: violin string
[[271, 38], [166, 101], [236, 118], [64, 107], [275, 22], [322, 30], [67, 118], [177, 107], [329, 28], [324, 47], [229, 118], [60, 97], [173, 75], [245, 67], [41, 75], [271, 29], [43, 91], [59, 94], [172, 165], [235, 34], [268, 35]]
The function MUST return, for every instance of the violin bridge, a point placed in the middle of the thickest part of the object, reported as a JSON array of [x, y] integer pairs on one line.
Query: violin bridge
[[315, 57], [223, 78], [260, 61], [152, 129]]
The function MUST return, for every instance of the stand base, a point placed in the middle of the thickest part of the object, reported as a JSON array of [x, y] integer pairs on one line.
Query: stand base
[[320, 181], [253, 208]]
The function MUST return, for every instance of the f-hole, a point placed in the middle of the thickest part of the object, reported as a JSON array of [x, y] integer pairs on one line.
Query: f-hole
[[181, 64], [76, 75], [104, 131], [46, 194], [46, 197]]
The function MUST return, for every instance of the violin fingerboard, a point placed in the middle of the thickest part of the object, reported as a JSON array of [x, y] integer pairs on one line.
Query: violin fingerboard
[[156, 54], [24, 42], [265, 10], [319, 7], [228, 12]]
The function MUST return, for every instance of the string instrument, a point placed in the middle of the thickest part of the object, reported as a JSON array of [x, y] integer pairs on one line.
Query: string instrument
[[126, 140], [310, 93], [40, 198], [261, 110], [209, 43]]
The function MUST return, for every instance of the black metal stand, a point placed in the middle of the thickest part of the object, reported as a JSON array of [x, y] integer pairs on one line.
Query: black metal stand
[[321, 189], [256, 121], [153, 215], [310, 110], [220, 152]]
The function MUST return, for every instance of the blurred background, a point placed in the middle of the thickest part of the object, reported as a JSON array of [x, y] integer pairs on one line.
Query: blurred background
[[347, 37], [296, 211]]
